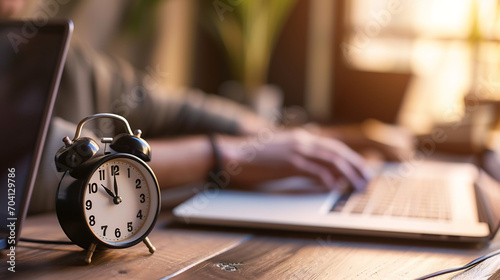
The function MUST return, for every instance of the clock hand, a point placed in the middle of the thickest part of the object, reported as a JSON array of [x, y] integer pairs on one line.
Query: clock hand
[[115, 185], [116, 199], [108, 191]]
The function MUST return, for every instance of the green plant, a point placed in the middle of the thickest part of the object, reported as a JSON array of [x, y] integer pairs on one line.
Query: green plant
[[248, 31]]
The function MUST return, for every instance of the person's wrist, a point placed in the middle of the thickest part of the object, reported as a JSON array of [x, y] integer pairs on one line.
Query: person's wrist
[[233, 159]]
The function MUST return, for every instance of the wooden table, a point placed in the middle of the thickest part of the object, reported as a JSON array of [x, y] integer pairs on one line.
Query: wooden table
[[195, 252]]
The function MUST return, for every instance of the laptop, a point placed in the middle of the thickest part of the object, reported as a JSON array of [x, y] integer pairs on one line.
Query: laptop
[[423, 200], [32, 58]]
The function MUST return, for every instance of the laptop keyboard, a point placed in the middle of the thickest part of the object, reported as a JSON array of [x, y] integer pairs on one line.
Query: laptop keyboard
[[423, 198]]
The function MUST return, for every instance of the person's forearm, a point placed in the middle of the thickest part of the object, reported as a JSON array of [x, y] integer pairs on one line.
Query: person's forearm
[[250, 160], [181, 161]]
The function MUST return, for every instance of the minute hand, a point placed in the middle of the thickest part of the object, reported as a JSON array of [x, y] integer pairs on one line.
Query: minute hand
[[115, 185], [116, 199]]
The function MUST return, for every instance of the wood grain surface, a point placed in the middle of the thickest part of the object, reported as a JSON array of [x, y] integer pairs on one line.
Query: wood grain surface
[[195, 252]]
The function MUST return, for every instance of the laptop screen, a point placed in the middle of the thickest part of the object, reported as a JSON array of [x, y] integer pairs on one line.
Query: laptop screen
[[31, 59]]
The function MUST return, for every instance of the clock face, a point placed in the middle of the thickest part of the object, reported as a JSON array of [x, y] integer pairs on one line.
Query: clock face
[[121, 201]]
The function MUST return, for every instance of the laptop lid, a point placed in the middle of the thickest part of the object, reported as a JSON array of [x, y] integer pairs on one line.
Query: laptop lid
[[32, 56]]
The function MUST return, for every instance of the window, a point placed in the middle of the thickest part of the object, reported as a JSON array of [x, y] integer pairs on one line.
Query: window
[[450, 47]]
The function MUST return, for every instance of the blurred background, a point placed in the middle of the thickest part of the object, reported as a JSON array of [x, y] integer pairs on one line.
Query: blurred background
[[429, 66]]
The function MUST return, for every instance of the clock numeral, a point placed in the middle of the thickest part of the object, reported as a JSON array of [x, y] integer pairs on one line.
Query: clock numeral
[[129, 227], [139, 214], [138, 183], [102, 175], [88, 204], [104, 228], [92, 220], [115, 170], [117, 232], [143, 198], [128, 172], [92, 188]]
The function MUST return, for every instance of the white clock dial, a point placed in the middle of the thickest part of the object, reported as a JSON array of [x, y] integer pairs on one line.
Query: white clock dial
[[120, 201]]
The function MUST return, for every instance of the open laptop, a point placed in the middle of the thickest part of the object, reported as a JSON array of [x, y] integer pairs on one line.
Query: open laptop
[[32, 56], [421, 200]]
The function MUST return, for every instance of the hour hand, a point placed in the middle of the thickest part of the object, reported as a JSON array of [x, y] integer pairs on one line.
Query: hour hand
[[108, 191]]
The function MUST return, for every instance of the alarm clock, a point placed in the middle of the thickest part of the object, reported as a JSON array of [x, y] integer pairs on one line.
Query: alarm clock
[[110, 199]]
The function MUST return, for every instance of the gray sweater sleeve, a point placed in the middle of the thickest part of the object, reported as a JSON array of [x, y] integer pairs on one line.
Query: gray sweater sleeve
[[93, 82]]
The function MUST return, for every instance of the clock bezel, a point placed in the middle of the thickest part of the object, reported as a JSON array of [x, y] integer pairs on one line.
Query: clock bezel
[[70, 203]]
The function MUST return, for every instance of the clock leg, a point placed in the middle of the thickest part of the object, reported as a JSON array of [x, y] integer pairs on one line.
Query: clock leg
[[90, 252], [150, 246]]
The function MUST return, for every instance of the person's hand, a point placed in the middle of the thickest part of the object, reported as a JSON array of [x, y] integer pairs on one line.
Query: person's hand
[[273, 155], [373, 139]]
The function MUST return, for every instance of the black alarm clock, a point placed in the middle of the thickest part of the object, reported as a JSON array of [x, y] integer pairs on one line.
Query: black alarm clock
[[107, 199]]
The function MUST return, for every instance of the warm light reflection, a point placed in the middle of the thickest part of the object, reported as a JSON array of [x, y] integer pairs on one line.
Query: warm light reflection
[[389, 55], [442, 78], [488, 71], [488, 20], [379, 35], [444, 18], [443, 43]]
